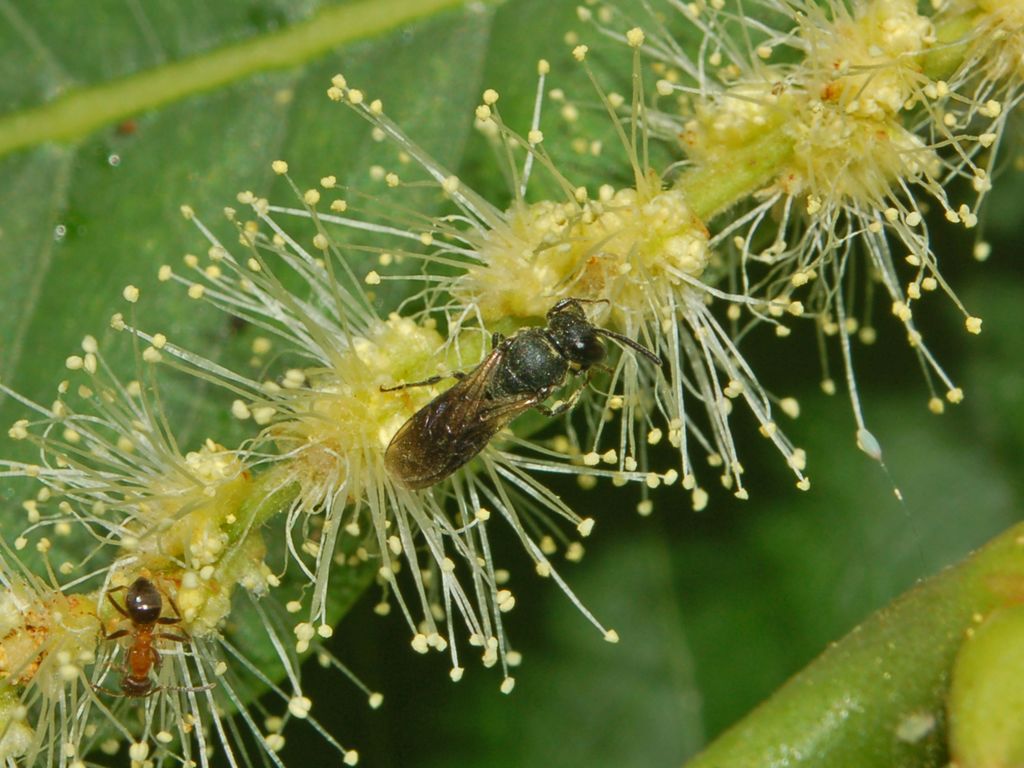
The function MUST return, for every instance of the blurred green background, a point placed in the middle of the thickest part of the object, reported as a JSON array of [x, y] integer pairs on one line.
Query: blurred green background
[[714, 609]]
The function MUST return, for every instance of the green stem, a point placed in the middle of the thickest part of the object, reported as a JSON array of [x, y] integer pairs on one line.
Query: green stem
[[78, 113], [713, 188], [878, 696], [267, 497], [951, 48]]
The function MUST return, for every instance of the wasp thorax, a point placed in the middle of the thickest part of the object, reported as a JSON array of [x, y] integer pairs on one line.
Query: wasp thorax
[[532, 362]]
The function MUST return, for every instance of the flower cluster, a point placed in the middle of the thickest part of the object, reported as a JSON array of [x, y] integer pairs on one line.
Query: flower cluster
[[803, 148], [843, 123], [639, 253], [115, 489]]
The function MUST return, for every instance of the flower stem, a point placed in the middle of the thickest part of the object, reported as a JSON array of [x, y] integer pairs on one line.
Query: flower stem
[[951, 46], [265, 497], [713, 188]]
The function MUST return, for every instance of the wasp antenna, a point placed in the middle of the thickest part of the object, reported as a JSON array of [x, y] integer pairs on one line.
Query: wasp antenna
[[630, 343]]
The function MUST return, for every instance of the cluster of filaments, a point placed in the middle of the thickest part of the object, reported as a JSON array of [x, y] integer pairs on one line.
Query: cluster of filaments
[[326, 425], [114, 488], [641, 259], [870, 113]]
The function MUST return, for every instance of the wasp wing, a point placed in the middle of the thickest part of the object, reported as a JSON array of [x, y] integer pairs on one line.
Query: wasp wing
[[452, 428]]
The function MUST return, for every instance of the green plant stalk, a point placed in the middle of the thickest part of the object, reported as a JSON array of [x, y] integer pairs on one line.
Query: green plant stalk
[[949, 54], [80, 112], [878, 696], [716, 187], [267, 498], [986, 701]]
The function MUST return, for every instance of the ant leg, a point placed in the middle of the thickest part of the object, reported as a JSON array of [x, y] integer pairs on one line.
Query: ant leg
[[176, 618], [119, 608], [457, 375], [182, 638], [107, 691]]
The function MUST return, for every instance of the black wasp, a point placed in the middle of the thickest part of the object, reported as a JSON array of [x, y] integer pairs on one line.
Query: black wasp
[[520, 373]]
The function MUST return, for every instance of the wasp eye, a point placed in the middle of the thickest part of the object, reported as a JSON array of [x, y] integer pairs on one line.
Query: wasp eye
[[590, 351]]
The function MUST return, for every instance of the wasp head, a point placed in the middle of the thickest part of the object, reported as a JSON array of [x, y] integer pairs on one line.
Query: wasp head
[[573, 335]]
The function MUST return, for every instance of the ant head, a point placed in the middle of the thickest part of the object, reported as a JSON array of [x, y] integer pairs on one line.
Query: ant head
[[143, 601], [573, 335]]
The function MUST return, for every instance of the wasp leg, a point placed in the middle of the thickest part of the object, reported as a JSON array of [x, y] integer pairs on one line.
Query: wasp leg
[[565, 405], [457, 375]]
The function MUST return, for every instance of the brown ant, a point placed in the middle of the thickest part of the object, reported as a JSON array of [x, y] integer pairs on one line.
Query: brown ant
[[142, 607]]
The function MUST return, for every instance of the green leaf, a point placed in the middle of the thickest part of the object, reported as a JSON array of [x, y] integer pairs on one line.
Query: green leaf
[[578, 700], [996, 386], [716, 610]]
